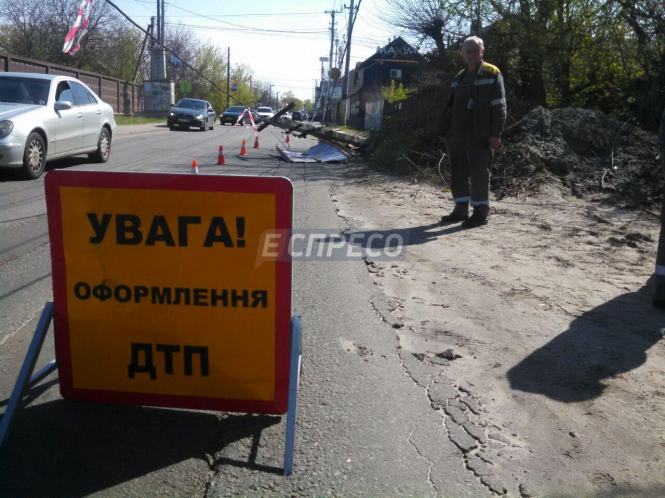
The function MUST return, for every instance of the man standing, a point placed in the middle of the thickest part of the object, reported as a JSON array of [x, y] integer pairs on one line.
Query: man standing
[[659, 297], [471, 122]]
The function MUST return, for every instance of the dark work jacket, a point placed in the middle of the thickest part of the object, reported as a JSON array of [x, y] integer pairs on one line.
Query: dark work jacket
[[661, 134], [489, 109]]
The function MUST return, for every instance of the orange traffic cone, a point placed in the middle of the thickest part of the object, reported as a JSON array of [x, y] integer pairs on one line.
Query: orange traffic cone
[[287, 138], [256, 142], [195, 168], [220, 157], [243, 149]]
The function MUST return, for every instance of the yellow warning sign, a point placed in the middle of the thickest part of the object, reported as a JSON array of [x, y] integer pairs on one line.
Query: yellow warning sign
[[164, 302]]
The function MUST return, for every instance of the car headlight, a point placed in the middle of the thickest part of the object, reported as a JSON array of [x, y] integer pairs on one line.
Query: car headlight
[[6, 128], [200, 116], [171, 113]]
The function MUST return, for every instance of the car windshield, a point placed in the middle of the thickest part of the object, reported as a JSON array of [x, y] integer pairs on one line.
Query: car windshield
[[235, 108], [265, 109], [192, 104], [24, 90]]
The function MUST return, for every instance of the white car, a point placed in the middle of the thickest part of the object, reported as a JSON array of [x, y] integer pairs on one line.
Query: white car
[[45, 117], [265, 112]]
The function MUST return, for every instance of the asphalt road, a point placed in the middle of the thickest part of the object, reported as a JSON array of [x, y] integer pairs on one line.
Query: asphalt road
[[364, 426]]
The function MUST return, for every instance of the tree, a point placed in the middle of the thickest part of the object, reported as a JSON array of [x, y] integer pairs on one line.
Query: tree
[[307, 105], [429, 21], [289, 97], [395, 94], [37, 29]]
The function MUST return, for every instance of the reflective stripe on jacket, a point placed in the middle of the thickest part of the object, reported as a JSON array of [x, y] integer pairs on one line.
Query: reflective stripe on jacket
[[489, 109]]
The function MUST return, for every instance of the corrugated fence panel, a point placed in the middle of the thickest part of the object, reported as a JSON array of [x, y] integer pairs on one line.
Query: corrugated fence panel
[[92, 81], [110, 93], [26, 66], [63, 71]]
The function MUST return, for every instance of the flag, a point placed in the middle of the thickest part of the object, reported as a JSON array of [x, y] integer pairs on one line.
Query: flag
[[79, 28]]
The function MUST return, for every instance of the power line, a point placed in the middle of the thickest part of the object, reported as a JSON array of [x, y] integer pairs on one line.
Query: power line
[[183, 61], [249, 28], [233, 30], [151, 2]]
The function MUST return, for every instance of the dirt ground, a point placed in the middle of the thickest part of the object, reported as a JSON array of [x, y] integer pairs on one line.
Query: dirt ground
[[562, 363]]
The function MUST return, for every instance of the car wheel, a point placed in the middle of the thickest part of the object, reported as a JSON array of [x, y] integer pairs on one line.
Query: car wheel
[[212, 125], [103, 147], [204, 126], [34, 157], [171, 127]]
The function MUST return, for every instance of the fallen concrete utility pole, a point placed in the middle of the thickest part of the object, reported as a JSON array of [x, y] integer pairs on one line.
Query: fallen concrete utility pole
[[302, 130], [333, 136]]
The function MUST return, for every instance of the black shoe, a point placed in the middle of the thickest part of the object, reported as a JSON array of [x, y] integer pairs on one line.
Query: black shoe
[[460, 213], [659, 296], [478, 218]]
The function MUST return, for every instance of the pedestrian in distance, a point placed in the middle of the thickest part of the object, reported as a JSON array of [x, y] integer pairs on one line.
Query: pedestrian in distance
[[659, 296], [471, 123]]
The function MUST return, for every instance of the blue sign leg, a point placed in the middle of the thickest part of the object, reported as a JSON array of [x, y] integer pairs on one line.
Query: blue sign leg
[[294, 378], [24, 380]]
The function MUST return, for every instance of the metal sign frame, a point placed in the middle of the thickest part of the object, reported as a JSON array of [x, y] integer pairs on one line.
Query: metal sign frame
[[288, 345]]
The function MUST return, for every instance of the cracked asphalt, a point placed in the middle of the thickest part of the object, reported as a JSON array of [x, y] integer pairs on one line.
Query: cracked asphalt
[[371, 421]]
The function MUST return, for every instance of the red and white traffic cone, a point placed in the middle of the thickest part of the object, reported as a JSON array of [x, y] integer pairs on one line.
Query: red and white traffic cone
[[195, 168], [243, 149], [256, 142], [220, 157], [287, 138]]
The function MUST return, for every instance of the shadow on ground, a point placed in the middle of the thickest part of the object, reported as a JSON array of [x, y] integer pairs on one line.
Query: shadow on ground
[[63, 448], [604, 342]]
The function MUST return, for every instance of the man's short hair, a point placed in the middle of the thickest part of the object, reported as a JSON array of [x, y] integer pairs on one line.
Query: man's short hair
[[477, 40]]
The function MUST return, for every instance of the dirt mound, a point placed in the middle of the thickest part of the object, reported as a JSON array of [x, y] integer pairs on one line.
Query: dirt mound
[[583, 150]]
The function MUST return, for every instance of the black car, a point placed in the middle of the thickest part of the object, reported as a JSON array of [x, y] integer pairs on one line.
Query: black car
[[232, 114], [192, 112], [297, 116]]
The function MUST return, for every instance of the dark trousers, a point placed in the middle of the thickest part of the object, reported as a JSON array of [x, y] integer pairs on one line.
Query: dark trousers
[[470, 163], [660, 259]]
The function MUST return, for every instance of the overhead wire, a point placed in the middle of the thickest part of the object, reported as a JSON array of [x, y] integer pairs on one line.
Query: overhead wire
[[248, 28], [154, 39]]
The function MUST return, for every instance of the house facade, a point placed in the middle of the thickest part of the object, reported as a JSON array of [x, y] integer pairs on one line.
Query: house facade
[[397, 61]]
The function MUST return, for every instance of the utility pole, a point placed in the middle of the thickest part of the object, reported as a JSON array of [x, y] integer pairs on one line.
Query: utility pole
[[228, 79], [270, 94], [159, 20], [163, 21], [330, 63], [142, 51], [348, 60]]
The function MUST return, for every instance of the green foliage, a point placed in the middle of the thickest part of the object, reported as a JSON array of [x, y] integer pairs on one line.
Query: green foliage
[[395, 94], [605, 54], [134, 120], [296, 101], [392, 153], [308, 106]]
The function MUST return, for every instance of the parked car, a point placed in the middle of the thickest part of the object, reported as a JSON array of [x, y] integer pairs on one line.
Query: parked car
[[232, 114], [297, 116], [192, 112], [45, 117], [265, 112]]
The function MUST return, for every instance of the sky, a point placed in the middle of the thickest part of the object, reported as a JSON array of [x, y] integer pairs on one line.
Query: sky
[[287, 37]]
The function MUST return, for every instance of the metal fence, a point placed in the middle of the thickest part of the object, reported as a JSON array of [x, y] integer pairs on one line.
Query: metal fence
[[125, 98]]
